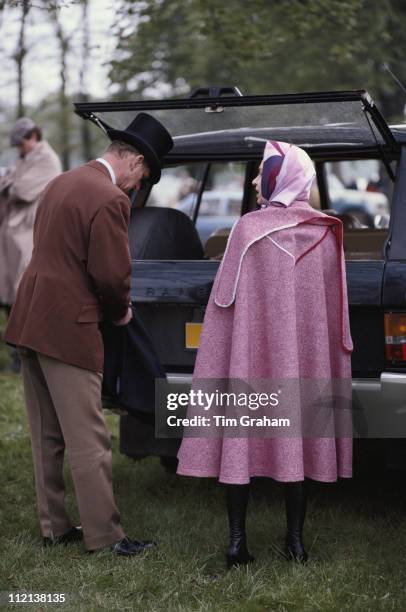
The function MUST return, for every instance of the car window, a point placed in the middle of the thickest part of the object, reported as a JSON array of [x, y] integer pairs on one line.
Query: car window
[[221, 203], [178, 188], [221, 200], [360, 193], [362, 189]]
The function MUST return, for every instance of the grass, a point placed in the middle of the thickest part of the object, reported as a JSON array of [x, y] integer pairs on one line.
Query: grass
[[355, 534]]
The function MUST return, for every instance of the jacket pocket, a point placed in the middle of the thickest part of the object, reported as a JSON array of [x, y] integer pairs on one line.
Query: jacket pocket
[[91, 313]]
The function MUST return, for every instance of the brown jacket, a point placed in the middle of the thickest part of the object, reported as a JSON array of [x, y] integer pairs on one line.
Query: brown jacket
[[80, 269]]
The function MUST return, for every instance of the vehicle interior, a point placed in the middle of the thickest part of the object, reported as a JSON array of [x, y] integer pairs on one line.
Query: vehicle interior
[[194, 230], [206, 184]]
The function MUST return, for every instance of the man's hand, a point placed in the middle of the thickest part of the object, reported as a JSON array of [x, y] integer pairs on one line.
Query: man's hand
[[126, 319]]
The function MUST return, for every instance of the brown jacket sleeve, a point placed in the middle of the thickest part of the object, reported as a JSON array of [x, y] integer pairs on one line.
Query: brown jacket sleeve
[[109, 263]]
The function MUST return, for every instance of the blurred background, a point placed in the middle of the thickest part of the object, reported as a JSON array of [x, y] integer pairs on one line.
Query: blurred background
[[54, 52]]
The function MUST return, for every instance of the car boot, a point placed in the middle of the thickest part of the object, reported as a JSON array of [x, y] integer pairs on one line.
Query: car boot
[[295, 501], [237, 502]]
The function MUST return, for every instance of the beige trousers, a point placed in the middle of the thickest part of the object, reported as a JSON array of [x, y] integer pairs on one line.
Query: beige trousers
[[64, 410]]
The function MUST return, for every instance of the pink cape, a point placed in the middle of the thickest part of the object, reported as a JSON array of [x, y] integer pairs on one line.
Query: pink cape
[[278, 309]]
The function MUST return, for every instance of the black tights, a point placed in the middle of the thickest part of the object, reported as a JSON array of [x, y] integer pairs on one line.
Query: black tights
[[237, 503], [295, 504]]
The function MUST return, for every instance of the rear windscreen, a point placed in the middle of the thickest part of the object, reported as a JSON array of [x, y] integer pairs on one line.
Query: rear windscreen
[[304, 124]]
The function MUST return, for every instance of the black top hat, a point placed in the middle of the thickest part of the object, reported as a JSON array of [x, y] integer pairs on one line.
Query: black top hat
[[150, 138]]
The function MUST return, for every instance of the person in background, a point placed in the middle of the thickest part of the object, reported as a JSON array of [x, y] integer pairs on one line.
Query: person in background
[[20, 190]]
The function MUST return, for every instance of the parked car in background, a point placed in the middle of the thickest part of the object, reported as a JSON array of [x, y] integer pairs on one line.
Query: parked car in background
[[369, 208], [217, 209], [219, 142]]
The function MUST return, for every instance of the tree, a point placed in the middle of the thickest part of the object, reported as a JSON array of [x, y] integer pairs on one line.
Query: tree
[[19, 56], [2, 5], [83, 96], [64, 106], [261, 46]]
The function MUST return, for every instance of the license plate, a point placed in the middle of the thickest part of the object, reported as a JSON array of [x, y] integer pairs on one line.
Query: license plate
[[192, 335]]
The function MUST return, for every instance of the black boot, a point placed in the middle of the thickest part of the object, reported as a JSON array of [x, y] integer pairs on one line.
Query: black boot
[[237, 502], [295, 500]]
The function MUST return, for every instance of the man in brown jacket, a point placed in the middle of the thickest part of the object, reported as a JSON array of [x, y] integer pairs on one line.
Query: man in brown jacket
[[79, 273]]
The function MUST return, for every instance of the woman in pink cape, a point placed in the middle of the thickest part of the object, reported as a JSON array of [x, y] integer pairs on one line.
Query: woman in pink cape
[[278, 311]]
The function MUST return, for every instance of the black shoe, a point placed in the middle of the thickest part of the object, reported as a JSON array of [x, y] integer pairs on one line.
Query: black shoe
[[129, 548], [294, 548], [237, 554], [74, 534]]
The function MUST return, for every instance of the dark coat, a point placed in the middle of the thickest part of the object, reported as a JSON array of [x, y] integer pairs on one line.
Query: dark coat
[[130, 368]]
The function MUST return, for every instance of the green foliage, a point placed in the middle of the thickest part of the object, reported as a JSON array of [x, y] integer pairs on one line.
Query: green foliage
[[261, 46]]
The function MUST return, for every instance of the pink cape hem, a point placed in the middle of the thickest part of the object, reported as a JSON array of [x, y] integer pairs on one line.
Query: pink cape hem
[[259, 474]]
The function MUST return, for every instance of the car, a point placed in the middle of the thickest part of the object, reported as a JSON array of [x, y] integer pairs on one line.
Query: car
[[219, 141], [367, 206], [217, 208]]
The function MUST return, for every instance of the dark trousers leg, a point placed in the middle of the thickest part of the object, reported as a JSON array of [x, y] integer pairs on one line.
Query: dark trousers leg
[[237, 503], [295, 502]]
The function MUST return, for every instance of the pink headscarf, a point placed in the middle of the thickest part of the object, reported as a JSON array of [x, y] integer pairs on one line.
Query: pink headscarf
[[287, 174]]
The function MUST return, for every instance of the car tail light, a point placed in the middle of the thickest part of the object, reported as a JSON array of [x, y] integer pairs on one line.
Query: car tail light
[[395, 337]]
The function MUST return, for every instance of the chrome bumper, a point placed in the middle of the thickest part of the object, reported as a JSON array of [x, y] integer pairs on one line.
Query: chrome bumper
[[394, 388], [367, 389], [379, 404], [179, 379]]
